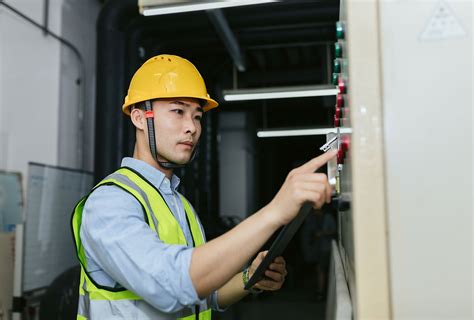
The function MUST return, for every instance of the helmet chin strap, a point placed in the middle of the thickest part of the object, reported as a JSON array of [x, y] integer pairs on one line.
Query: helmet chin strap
[[152, 142]]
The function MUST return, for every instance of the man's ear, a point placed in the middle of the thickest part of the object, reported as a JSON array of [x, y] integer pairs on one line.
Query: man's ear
[[138, 118]]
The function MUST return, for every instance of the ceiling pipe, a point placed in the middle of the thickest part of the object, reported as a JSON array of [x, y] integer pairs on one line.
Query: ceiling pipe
[[227, 36], [111, 74]]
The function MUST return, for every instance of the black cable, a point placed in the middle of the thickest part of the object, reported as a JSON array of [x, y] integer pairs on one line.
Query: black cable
[[151, 131], [45, 29], [45, 16], [152, 143]]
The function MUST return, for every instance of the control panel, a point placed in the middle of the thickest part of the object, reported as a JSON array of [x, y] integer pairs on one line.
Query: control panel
[[388, 181], [339, 169]]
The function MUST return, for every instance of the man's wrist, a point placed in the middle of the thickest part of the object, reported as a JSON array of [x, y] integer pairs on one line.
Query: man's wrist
[[245, 280]]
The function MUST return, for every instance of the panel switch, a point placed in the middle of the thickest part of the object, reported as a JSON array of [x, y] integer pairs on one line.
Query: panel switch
[[340, 32]]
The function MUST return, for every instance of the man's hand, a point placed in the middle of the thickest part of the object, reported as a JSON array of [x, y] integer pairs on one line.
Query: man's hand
[[302, 185], [274, 276], [209, 271]]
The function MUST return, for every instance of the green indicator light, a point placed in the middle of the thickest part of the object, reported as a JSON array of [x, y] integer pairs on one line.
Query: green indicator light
[[338, 50], [337, 66], [339, 30], [335, 78]]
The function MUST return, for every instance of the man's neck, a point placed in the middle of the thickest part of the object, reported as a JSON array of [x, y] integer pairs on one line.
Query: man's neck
[[146, 157]]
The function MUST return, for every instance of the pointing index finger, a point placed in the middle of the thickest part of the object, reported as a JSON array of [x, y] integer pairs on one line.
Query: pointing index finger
[[316, 163]]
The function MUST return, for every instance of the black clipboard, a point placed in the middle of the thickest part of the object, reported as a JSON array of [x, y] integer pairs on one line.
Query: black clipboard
[[279, 245]]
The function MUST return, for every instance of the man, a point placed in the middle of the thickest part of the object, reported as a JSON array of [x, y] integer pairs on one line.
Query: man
[[142, 249]]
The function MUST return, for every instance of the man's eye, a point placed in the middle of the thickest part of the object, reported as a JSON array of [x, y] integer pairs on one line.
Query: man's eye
[[178, 111], [198, 118]]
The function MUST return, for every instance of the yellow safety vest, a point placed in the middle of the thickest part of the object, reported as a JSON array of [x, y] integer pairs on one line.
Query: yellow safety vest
[[102, 303]]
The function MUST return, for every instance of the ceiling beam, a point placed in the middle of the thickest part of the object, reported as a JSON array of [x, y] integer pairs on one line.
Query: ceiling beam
[[227, 36]]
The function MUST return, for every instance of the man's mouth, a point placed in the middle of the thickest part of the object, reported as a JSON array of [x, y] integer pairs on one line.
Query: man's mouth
[[187, 143]]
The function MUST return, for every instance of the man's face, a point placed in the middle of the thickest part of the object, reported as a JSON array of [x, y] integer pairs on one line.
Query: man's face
[[177, 128]]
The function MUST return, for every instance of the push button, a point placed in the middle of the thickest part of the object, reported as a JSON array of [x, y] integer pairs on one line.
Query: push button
[[340, 32], [338, 50], [343, 148], [337, 66], [339, 101], [342, 85]]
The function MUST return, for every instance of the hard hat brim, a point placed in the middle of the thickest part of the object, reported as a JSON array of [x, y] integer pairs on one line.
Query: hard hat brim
[[208, 105]]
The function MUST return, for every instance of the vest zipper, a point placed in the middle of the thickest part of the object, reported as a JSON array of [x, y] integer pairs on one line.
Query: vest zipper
[[197, 312]]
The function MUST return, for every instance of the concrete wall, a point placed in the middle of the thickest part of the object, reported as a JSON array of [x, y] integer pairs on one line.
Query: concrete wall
[[29, 82], [40, 100], [47, 98]]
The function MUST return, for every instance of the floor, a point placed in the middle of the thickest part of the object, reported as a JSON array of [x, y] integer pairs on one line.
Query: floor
[[287, 304]]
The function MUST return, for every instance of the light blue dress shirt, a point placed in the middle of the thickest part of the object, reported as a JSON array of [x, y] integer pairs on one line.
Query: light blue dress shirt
[[122, 251]]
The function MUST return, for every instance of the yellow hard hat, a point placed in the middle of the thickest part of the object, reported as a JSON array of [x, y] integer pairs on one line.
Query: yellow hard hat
[[167, 76]]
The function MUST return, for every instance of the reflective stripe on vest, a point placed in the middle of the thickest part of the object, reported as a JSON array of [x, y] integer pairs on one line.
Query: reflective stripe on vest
[[99, 302]]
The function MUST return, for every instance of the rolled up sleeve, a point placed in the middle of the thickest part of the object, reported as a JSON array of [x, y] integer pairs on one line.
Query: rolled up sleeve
[[214, 304]]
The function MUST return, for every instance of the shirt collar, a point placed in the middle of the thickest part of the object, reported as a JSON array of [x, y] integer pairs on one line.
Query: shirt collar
[[153, 175]]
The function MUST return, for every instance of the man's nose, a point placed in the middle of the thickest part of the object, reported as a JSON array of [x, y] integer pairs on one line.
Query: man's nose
[[190, 125]]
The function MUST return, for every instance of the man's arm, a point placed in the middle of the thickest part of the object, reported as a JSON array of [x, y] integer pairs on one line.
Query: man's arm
[[215, 263], [233, 290]]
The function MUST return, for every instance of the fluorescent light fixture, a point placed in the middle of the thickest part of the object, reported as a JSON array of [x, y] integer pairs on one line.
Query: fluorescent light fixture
[[151, 8], [299, 132], [279, 93]]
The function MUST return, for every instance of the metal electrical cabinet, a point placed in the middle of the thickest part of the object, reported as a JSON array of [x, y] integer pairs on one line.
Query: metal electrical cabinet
[[404, 69]]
